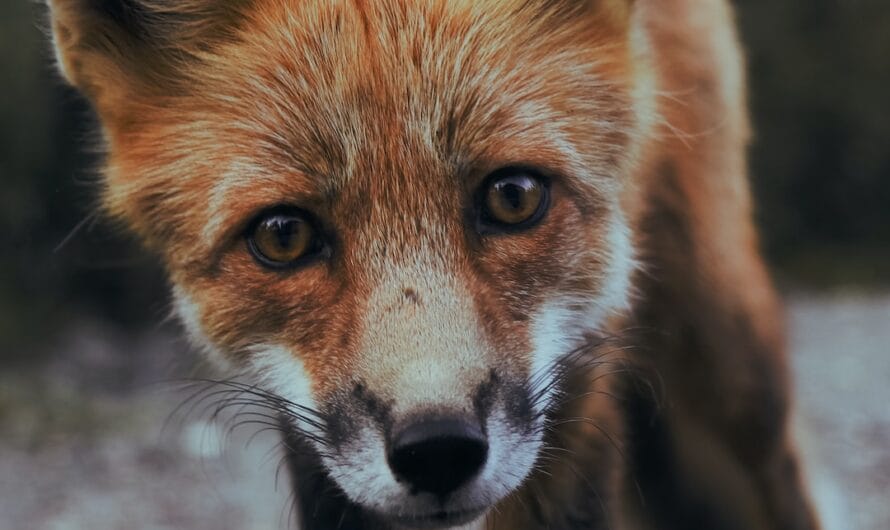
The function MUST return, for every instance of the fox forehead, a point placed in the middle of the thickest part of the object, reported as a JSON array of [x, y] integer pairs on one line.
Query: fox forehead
[[326, 104]]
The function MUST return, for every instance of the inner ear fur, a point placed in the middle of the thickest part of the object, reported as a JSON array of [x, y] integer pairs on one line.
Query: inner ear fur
[[114, 49]]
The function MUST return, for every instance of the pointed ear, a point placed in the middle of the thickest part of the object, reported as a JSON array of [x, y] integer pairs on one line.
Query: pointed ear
[[614, 13], [113, 50], [100, 40]]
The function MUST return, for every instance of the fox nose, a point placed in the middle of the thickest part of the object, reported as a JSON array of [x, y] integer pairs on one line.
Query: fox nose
[[438, 456]]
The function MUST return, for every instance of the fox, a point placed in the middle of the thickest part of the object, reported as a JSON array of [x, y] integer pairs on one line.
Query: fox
[[492, 264]]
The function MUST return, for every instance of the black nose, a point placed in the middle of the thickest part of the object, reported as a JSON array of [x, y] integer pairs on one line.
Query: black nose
[[438, 456]]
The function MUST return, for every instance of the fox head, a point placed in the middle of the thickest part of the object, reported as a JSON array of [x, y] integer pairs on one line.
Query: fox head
[[398, 216]]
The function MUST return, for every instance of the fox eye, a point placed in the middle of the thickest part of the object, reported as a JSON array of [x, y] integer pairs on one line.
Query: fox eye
[[513, 199], [283, 238]]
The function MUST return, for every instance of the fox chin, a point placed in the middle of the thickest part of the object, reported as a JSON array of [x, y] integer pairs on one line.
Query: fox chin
[[491, 264]]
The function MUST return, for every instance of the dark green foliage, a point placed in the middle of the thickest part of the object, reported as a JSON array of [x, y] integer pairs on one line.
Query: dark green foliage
[[48, 155], [820, 94]]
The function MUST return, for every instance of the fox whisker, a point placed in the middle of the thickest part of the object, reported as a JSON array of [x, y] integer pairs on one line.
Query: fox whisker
[[247, 405]]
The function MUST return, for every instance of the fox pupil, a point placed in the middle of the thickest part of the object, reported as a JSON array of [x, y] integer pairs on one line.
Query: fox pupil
[[512, 195], [285, 230]]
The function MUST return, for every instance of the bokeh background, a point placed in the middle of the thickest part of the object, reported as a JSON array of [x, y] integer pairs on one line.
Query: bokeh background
[[89, 361]]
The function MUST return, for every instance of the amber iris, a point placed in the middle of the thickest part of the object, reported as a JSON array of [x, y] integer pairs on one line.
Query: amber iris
[[281, 239], [514, 199]]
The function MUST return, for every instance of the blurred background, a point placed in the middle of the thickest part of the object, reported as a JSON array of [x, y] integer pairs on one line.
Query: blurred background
[[87, 354]]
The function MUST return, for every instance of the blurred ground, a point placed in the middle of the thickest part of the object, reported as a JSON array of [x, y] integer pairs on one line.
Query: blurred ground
[[83, 443], [841, 350]]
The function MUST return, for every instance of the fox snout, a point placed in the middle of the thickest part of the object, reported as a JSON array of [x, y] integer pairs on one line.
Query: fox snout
[[437, 455], [456, 455]]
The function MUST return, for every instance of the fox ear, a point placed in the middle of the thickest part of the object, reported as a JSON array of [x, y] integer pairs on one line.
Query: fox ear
[[98, 40], [113, 49], [617, 13]]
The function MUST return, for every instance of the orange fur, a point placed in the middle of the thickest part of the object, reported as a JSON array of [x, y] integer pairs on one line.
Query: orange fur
[[383, 118]]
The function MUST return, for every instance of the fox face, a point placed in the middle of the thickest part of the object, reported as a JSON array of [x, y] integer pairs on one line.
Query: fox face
[[402, 218]]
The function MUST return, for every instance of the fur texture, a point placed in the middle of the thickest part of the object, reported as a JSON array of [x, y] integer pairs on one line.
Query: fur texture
[[624, 356]]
